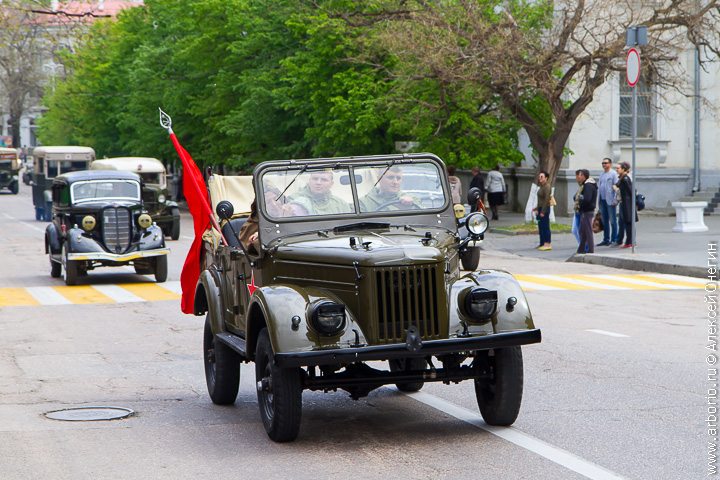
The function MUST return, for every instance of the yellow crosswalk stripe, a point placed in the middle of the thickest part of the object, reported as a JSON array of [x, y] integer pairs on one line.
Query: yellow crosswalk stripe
[[150, 291], [14, 297], [615, 282], [666, 281], [554, 283], [83, 294]]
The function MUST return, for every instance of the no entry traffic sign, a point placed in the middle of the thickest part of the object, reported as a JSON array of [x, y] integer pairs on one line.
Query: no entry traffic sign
[[632, 67]]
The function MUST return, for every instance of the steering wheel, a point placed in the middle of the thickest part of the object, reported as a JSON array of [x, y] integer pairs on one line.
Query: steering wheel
[[397, 201]]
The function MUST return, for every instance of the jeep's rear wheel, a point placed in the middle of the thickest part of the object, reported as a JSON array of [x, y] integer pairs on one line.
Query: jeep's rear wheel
[[499, 397], [161, 268], [279, 393], [70, 268], [222, 368], [470, 258], [175, 229], [406, 365]]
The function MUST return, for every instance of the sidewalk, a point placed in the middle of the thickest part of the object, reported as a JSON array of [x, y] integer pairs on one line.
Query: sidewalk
[[658, 248]]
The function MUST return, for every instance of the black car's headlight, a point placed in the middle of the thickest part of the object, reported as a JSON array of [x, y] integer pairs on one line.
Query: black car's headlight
[[328, 318], [144, 220], [480, 304], [88, 223]]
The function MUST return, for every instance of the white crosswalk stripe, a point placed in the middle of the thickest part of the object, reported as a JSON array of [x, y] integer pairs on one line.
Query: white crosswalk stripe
[[47, 296], [119, 294]]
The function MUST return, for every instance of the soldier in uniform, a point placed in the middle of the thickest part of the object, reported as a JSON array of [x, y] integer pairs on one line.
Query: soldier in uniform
[[316, 197], [387, 194]]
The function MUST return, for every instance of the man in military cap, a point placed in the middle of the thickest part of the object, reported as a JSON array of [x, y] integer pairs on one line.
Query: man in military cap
[[317, 198], [386, 195]]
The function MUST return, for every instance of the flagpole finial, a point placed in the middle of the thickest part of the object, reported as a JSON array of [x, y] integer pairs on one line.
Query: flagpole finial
[[165, 121]]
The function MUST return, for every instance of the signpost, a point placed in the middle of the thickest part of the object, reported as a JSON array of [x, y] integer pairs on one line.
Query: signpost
[[635, 36]]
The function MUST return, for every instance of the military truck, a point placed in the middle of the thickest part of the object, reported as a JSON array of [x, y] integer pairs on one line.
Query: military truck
[[156, 198], [9, 169], [344, 280], [48, 163]]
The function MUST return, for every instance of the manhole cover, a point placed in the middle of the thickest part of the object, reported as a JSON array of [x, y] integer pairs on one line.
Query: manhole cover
[[89, 414]]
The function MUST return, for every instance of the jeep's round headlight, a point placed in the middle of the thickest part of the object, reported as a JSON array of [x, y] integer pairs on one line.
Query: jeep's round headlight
[[161, 198], [477, 223], [88, 223], [144, 220], [328, 318], [480, 303]]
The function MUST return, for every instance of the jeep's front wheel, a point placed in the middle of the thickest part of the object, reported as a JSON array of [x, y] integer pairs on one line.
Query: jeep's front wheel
[[161, 268], [407, 365], [222, 368], [499, 396], [279, 392]]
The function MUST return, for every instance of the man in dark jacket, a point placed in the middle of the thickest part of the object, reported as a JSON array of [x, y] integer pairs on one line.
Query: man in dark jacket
[[586, 202]]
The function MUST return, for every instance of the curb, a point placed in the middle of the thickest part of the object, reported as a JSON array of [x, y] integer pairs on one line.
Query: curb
[[640, 265]]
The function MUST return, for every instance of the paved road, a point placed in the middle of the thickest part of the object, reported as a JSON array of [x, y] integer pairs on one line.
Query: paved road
[[614, 391]]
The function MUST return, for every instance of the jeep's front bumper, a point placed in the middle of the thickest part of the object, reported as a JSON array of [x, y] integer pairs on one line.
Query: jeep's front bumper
[[400, 350], [122, 257]]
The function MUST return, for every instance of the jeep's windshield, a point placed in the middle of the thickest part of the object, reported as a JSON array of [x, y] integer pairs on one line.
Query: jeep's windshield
[[352, 190], [105, 190]]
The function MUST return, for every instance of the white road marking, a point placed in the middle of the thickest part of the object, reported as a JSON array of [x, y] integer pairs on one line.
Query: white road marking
[[526, 285], [584, 283], [173, 286], [8, 216], [119, 294], [667, 276], [47, 296], [639, 281], [609, 334], [29, 225], [523, 440]]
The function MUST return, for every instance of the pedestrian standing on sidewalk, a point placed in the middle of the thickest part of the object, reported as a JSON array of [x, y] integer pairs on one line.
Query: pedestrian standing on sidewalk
[[625, 186], [543, 211], [495, 186], [455, 185], [586, 202], [607, 203]]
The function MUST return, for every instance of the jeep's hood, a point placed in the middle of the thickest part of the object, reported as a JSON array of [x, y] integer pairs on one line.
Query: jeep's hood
[[383, 250]]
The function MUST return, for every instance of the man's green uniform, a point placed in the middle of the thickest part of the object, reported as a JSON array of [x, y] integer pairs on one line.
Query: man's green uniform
[[374, 200], [325, 204]]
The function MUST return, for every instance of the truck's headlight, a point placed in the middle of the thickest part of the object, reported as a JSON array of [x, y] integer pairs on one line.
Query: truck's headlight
[[480, 303], [144, 220], [477, 223], [88, 223], [328, 318], [161, 198]]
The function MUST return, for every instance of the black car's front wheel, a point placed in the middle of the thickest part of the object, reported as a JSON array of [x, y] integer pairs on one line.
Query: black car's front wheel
[[279, 392], [222, 368], [161, 268], [407, 365], [499, 396], [55, 268], [14, 187], [70, 268], [175, 229]]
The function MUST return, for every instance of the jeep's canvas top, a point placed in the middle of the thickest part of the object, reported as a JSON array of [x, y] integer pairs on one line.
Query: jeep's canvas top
[[130, 164], [64, 153]]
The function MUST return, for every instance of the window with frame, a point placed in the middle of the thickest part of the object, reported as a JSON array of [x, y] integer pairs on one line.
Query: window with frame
[[645, 111]]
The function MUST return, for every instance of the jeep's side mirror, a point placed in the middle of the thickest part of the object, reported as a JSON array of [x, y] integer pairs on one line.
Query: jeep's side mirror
[[225, 210], [345, 179], [473, 195]]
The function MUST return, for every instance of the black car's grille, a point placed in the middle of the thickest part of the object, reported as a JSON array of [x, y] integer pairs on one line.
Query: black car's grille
[[407, 296], [116, 229]]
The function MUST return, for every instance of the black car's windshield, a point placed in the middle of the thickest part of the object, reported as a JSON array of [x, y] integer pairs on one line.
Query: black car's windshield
[[105, 190], [313, 192]]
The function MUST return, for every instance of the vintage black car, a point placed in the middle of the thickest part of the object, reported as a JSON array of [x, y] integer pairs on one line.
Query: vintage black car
[[9, 169], [99, 220], [156, 198], [348, 269], [48, 163]]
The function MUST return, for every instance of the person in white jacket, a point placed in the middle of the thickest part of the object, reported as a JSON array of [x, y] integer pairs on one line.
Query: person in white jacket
[[495, 186]]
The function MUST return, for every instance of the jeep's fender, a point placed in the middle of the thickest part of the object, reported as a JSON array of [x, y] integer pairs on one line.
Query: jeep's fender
[[52, 239], [274, 307], [208, 299], [505, 318]]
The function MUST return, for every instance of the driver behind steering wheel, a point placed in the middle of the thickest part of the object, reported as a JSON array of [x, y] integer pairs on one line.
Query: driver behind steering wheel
[[387, 193]]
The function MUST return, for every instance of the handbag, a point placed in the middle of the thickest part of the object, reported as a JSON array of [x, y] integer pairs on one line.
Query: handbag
[[597, 224], [552, 201]]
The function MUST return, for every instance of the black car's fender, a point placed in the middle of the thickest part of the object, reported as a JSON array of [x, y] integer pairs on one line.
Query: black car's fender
[[276, 306], [77, 242], [52, 239], [506, 317]]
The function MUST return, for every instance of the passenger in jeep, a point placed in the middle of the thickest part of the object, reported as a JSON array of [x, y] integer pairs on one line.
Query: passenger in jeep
[[317, 197]]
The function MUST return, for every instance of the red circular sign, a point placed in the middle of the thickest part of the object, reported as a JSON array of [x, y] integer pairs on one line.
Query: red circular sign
[[632, 67]]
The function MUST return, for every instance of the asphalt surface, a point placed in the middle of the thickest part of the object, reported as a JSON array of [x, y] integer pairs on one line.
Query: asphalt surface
[[615, 390]]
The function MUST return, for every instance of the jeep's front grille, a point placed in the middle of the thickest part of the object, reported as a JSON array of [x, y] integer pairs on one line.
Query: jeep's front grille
[[407, 296], [116, 229]]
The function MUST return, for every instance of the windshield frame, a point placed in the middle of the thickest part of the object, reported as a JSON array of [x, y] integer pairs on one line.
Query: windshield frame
[[73, 201]]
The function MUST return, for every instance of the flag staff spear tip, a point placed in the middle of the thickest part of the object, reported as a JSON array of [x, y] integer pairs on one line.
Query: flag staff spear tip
[[165, 121]]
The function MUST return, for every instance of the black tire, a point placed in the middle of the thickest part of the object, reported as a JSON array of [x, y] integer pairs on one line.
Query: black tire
[[161, 268], [222, 368], [14, 188], [70, 268], [470, 259], [408, 364], [47, 213], [175, 229], [55, 268], [279, 393], [500, 396]]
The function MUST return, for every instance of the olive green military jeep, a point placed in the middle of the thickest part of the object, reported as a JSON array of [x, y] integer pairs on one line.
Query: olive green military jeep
[[350, 271], [9, 169]]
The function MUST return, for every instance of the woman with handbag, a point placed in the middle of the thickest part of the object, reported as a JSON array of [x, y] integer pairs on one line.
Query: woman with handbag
[[495, 186], [625, 188]]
